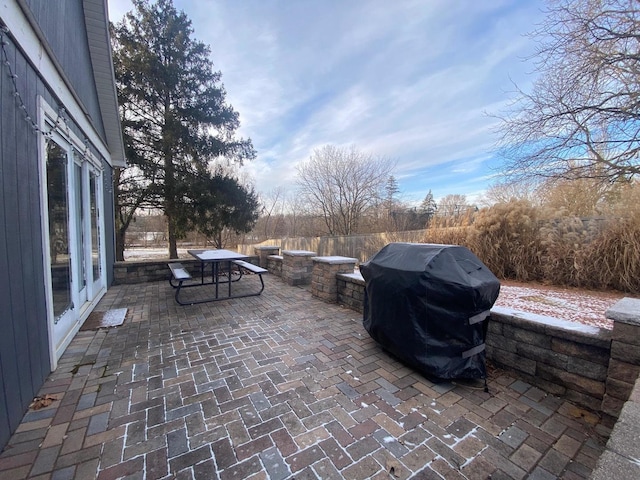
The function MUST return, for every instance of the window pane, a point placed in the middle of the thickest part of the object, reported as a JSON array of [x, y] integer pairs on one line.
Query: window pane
[[80, 226], [58, 228], [95, 232]]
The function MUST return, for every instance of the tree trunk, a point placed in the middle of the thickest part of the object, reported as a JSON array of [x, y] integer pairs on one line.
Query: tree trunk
[[121, 234], [171, 233]]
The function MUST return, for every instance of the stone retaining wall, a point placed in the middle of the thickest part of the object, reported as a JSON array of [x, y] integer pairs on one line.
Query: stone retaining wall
[[154, 270], [274, 265], [125, 273], [263, 253], [323, 278], [624, 365], [297, 266], [620, 458], [563, 358], [592, 367], [351, 290]]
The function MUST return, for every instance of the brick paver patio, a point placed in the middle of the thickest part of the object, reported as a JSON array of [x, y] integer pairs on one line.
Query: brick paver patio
[[279, 386]]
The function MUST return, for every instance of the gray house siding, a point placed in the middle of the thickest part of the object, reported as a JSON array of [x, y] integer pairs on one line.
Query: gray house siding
[[25, 346], [70, 47]]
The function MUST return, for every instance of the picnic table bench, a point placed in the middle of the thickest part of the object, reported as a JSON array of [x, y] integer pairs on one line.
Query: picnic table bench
[[180, 275]]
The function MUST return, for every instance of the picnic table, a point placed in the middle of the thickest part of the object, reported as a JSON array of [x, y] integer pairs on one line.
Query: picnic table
[[226, 267]]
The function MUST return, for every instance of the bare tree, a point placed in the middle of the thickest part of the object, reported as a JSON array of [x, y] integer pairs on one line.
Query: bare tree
[[452, 205], [505, 191], [454, 210], [580, 197], [340, 184], [273, 209], [581, 118]]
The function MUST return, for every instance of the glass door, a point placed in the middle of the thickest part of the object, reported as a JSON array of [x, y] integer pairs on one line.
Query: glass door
[[80, 228], [59, 239], [94, 230], [73, 245], [73, 192]]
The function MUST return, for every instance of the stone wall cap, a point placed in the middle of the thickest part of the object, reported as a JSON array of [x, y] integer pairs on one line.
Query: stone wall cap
[[355, 277], [299, 253], [546, 321], [626, 310], [335, 259], [275, 257], [613, 465]]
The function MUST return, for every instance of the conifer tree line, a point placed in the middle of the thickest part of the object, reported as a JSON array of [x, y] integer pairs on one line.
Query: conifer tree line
[[179, 131]]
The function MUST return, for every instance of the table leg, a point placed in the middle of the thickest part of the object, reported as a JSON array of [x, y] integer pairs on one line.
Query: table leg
[[216, 275]]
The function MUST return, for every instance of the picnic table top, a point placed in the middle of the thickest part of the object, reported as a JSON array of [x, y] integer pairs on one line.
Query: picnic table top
[[216, 255]]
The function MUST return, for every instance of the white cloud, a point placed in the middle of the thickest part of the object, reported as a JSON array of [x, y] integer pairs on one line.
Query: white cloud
[[409, 79]]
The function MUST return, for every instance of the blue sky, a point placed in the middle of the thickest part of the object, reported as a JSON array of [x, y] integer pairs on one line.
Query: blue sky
[[413, 80]]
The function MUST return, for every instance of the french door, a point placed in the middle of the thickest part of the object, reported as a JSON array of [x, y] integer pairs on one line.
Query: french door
[[74, 249]]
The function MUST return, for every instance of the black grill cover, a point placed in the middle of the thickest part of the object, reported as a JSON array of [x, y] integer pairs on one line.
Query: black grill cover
[[428, 304]]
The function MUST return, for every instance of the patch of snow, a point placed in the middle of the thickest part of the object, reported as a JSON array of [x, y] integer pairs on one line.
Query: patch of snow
[[551, 321], [149, 253], [571, 305], [354, 275]]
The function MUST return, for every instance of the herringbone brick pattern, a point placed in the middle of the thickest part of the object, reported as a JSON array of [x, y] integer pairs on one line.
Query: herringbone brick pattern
[[278, 386]]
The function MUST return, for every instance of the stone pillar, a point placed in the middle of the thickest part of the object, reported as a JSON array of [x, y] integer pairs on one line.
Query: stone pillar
[[624, 363], [297, 266], [274, 265], [619, 458], [324, 283], [263, 252]]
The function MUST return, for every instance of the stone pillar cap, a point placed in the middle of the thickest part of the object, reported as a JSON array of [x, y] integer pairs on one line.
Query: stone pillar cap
[[335, 259], [626, 310], [299, 253]]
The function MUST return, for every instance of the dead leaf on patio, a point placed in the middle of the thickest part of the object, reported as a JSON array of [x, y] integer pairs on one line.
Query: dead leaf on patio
[[588, 417], [42, 401], [393, 467]]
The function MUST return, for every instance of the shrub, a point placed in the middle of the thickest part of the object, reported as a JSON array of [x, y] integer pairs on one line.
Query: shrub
[[563, 242], [505, 237], [521, 242], [448, 235], [612, 260]]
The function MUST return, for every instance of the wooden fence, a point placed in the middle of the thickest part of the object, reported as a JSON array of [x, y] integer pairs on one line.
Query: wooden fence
[[354, 246]]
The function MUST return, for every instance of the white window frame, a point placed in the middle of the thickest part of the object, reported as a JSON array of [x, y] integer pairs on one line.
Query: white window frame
[[50, 121]]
